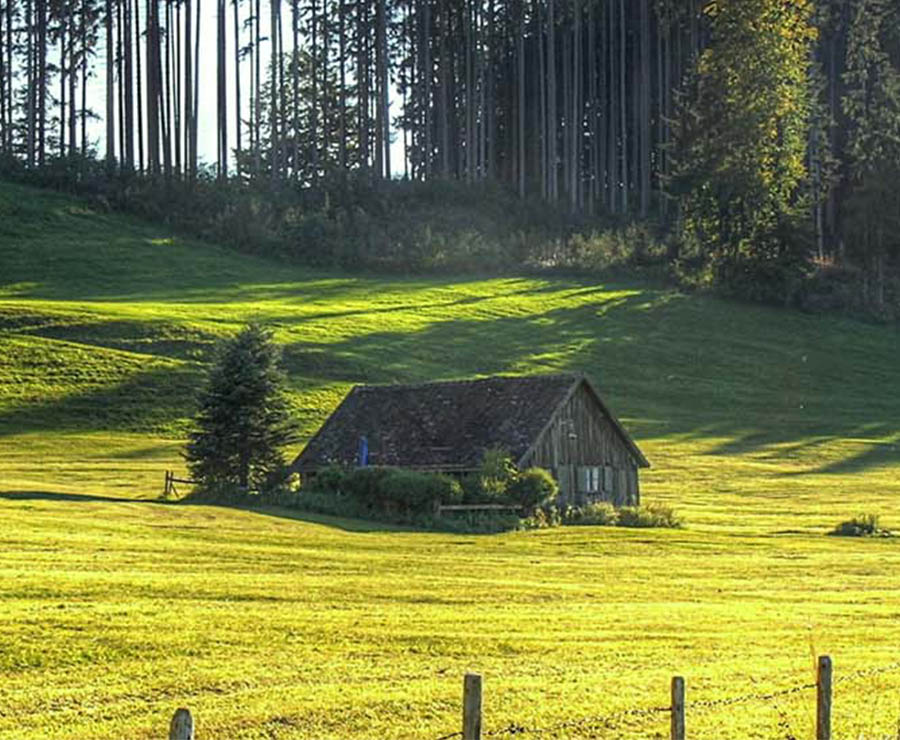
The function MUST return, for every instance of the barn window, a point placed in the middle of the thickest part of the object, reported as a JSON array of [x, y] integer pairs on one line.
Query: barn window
[[589, 479]]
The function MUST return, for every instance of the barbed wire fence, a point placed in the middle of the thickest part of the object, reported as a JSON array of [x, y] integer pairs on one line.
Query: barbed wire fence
[[182, 723], [676, 711]]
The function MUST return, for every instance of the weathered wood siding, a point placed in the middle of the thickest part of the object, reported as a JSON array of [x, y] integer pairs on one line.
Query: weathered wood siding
[[580, 437]]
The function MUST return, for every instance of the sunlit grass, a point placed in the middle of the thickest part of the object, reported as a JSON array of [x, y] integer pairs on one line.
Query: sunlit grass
[[765, 429]]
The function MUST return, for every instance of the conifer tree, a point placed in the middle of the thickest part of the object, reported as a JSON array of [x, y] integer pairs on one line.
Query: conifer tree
[[244, 418]]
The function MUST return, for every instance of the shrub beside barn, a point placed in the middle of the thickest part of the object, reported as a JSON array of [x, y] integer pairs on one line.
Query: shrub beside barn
[[558, 422]]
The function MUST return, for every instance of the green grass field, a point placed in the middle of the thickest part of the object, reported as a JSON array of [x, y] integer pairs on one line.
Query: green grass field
[[765, 429]]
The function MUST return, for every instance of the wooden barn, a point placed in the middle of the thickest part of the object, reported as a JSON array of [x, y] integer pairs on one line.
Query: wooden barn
[[557, 422]]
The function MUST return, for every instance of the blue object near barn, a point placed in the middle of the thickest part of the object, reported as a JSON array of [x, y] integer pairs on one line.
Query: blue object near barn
[[363, 457]]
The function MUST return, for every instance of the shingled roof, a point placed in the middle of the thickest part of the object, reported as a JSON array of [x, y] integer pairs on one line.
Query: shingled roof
[[444, 425]]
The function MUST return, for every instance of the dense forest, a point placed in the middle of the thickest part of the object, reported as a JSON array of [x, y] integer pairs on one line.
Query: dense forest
[[759, 140]]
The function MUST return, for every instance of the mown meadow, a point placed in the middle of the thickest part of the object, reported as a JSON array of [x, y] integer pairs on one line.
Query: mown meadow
[[765, 428]]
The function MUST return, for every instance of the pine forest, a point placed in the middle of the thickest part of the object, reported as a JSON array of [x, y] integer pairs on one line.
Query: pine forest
[[756, 138]]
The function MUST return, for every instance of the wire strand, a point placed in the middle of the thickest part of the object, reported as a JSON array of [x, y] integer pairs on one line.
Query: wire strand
[[516, 729]]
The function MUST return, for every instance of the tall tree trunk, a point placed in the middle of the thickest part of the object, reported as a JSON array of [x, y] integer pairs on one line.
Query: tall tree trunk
[[540, 31], [73, 87], [427, 92], [152, 53], [63, 69], [273, 82], [612, 117], [84, 76], [342, 71], [295, 83], [443, 113], [42, 21], [221, 91], [382, 114], [645, 124], [661, 92], [593, 123], [9, 79], [623, 106], [257, 89], [469, 25], [177, 95], [110, 118], [165, 87], [188, 44], [553, 121], [237, 86], [139, 77], [577, 118], [520, 87], [314, 75]]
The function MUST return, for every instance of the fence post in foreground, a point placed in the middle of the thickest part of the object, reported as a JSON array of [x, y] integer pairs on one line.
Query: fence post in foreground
[[677, 708], [182, 726], [823, 699], [472, 707]]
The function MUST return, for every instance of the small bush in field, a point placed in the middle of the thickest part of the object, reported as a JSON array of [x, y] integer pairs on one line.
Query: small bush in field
[[654, 515], [600, 514], [864, 525]]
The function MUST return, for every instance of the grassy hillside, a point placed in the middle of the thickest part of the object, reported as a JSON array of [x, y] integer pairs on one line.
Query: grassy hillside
[[765, 428]]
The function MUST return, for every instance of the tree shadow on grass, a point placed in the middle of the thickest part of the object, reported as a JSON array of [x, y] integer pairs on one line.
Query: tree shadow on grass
[[752, 379], [74, 497], [336, 522], [756, 377], [159, 400]]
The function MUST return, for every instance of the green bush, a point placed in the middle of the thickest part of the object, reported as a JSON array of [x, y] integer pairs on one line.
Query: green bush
[[330, 479], [532, 489], [864, 525], [604, 514], [496, 474], [390, 490], [366, 484], [654, 515], [418, 491], [601, 514]]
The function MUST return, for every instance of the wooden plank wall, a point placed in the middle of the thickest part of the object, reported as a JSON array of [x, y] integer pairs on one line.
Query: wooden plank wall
[[582, 435]]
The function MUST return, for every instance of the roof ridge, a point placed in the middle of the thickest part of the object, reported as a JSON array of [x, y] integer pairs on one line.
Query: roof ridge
[[574, 375]]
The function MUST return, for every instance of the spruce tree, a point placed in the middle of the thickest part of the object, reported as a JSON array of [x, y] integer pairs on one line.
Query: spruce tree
[[244, 418]]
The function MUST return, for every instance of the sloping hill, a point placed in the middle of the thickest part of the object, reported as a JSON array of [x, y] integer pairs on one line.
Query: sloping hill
[[105, 324], [765, 428]]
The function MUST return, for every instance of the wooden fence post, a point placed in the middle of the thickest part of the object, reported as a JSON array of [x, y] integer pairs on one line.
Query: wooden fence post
[[182, 726], [823, 699], [678, 731], [472, 707]]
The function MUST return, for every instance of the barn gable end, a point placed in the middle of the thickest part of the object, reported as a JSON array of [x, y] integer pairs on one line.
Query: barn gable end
[[588, 451]]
